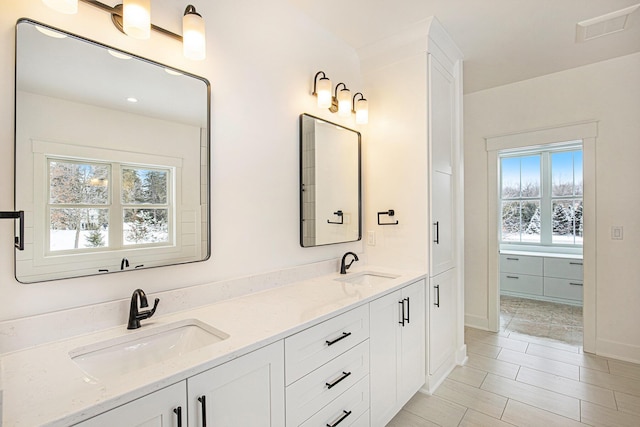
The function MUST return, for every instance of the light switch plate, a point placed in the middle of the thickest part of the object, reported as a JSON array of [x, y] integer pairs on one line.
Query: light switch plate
[[616, 232], [371, 238]]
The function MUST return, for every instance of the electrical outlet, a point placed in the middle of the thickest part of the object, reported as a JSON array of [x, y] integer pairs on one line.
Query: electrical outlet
[[616, 232], [371, 238]]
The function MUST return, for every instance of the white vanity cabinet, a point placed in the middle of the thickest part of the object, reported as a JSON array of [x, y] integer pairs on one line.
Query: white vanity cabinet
[[548, 277], [327, 372], [442, 320], [397, 350], [247, 391], [162, 408]]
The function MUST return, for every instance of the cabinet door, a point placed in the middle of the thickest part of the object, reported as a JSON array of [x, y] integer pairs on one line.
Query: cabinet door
[[441, 113], [384, 342], [248, 391], [441, 319], [442, 234], [413, 345], [153, 410]]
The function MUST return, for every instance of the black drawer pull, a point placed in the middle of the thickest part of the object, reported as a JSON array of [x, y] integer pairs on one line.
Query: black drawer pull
[[513, 259], [575, 263], [575, 284], [402, 318], [437, 289], [178, 412], [203, 401], [336, 382], [346, 414], [343, 336], [512, 277], [408, 308]]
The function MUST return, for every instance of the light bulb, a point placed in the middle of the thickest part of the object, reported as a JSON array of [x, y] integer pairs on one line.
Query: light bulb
[[323, 92], [136, 18], [63, 6], [193, 35], [362, 112], [344, 103]]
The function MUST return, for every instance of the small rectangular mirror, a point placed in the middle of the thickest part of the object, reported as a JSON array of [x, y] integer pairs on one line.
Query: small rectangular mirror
[[330, 188], [112, 158]]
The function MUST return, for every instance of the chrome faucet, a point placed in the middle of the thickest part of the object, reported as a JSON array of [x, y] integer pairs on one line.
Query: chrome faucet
[[343, 267], [136, 316]]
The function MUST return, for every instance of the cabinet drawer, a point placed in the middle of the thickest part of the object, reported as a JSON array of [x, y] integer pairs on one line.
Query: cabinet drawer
[[521, 283], [313, 347], [310, 393], [563, 288], [349, 407], [531, 265], [563, 268]]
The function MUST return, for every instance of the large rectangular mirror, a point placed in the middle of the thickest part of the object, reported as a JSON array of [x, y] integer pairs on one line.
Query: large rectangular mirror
[[330, 200], [112, 158]]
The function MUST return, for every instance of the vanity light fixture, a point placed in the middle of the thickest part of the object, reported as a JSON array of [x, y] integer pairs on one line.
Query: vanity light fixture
[[322, 90], [133, 18], [342, 101], [361, 108]]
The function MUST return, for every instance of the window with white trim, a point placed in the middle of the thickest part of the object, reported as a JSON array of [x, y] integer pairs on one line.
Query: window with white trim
[[93, 206], [541, 198]]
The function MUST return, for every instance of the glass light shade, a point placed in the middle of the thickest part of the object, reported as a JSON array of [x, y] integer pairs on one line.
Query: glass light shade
[[344, 103], [323, 92], [362, 112], [136, 18], [62, 6], [193, 37]]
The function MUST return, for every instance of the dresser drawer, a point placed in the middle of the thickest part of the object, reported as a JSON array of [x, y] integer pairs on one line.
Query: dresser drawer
[[563, 288], [563, 268], [519, 264], [312, 392], [521, 283], [350, 406], [313, 347]]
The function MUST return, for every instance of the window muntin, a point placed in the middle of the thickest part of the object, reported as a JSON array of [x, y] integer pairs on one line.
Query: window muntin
[[541, 197], [82, 214]]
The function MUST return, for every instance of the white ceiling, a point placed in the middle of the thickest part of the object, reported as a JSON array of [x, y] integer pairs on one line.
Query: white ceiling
[[503, 41]]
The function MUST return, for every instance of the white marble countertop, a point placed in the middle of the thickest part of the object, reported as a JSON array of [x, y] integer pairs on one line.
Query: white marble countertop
[[43, 386]]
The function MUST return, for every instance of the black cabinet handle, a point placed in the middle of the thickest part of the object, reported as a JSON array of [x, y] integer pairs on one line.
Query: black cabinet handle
[[437, 288], [203, 403], [401, 313], [437, 224], [336, 382], [513, 259], [343, 336], [408, 318], [575, 284], [345, 415], [512, 277], [178, 412], [575, 263]]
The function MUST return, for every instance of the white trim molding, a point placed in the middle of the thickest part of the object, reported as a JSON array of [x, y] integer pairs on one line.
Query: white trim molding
[[586, 131]]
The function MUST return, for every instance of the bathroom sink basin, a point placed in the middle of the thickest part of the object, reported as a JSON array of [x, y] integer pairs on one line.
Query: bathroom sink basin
[[367, 278], [138, 350]]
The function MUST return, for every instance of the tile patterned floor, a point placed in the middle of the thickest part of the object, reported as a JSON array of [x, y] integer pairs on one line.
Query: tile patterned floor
[[530, 375]]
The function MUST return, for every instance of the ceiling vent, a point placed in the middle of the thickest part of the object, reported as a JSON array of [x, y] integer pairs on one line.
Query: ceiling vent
[[602, 25]]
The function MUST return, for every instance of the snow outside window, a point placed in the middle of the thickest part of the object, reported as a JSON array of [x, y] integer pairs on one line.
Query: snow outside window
[[84, 216], [541, 197]]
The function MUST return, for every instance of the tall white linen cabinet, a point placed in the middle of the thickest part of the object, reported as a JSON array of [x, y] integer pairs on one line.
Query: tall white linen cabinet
[[414, 165]]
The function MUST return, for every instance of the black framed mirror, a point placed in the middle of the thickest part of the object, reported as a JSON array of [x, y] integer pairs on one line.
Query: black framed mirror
[[330, 183], [112, 158]]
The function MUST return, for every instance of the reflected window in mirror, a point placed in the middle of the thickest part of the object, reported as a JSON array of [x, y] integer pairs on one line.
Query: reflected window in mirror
[[330, 183], [98, 176]]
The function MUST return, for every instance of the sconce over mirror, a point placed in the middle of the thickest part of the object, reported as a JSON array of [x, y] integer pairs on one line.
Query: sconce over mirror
[[112, 158], [330, 189]]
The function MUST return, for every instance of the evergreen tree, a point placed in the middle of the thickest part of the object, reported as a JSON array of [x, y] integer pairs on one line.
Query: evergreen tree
[[534, 224], [95, 239], [562, 220]]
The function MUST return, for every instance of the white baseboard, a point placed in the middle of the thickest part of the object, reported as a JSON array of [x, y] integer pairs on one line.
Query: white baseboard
[[618, 350], [477, 322]]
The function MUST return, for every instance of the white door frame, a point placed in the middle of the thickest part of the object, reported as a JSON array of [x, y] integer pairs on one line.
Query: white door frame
[[587, 132]]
